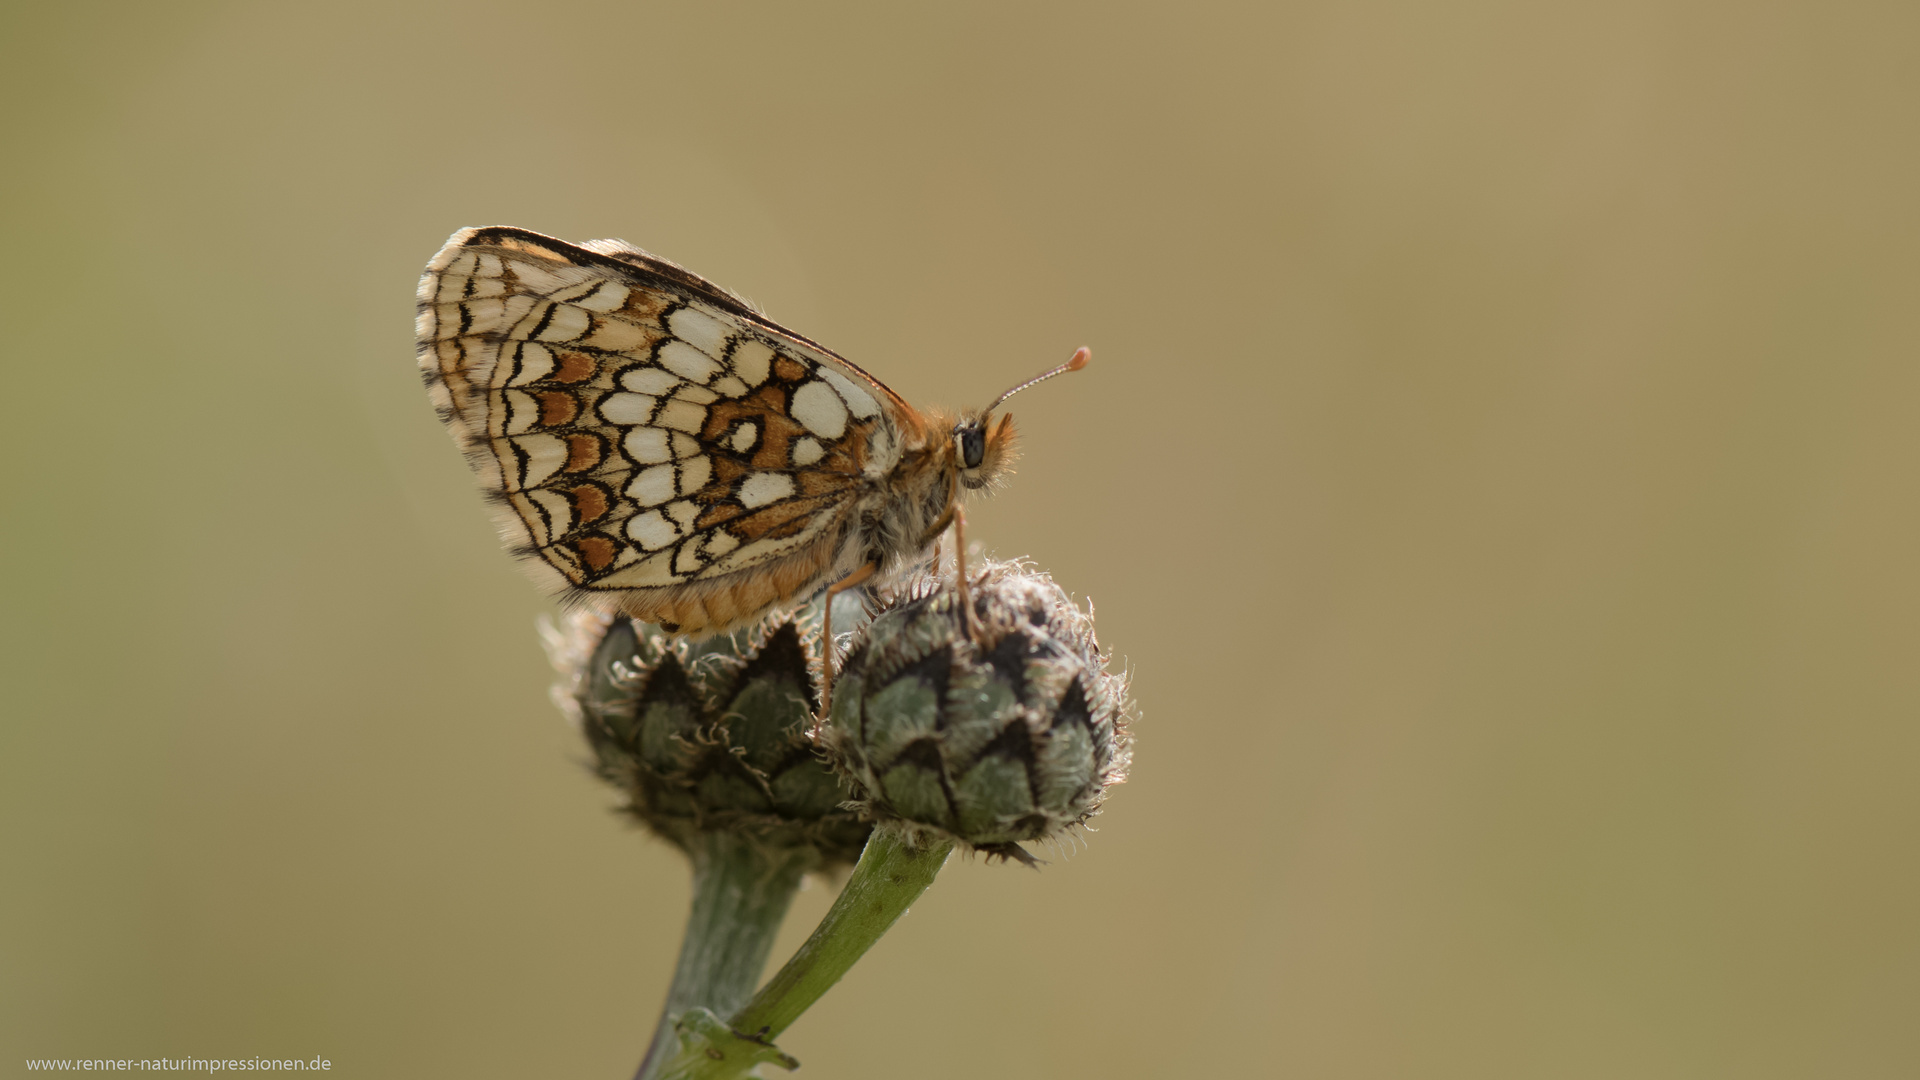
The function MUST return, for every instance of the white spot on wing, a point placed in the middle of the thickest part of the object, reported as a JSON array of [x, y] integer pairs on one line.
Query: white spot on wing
[[618, 335], [681, 416], [536, 363], [559, 512], [702, 331], [568, 322], [627, 408], [653, 486], [820, 409], [649, 380], [652, 570], [683, 513], [521, 412], [687, 560], [761, 488], [536, 278], [745, 436], [807, 451], [752, 359], [483, 316], [688, 362], [544, 456], [652, 531], [883, 453], [646, 445], [694, 474], [606, 297], [730, 385], [859, 400]]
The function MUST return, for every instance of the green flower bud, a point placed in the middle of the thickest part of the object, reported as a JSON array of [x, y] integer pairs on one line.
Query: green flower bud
[[1012, 734], [707, 736]]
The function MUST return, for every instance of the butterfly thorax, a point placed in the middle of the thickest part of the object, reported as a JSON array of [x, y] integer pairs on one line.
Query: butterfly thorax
[[901, 508]]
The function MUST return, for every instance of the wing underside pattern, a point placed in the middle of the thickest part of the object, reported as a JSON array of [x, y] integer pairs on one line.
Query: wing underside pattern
[[644, 429]]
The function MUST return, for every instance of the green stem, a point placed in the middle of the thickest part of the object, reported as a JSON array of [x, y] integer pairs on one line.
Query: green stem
[[890, 876], [740, 893]]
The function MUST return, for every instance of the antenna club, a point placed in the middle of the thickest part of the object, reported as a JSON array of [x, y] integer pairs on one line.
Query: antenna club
[[1074, 363]]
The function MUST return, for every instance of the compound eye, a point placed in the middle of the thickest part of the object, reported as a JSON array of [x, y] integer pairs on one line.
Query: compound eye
[[973, 446]]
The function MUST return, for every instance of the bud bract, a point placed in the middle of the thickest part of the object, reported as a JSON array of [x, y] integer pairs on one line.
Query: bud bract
[[1006, 731], [708, 736]]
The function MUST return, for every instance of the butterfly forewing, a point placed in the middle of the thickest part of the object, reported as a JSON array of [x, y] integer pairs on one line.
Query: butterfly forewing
[[646, 431]]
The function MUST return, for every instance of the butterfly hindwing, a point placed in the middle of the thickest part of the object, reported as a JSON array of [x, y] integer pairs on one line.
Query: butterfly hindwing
[[645, 431]]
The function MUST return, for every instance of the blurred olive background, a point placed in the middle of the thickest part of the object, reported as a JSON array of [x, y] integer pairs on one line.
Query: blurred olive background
[[1498, 466]]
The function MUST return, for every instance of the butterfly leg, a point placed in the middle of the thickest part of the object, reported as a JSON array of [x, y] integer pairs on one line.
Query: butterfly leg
[[826, 633], [960, 571]]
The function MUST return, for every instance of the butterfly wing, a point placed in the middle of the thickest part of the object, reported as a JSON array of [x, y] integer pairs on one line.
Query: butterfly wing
[[652, 441]]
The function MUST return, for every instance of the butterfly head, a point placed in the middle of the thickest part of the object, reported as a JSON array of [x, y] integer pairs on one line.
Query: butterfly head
[[984, 450]]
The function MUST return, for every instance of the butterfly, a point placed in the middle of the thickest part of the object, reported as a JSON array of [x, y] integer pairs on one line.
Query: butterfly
[[657, 447]]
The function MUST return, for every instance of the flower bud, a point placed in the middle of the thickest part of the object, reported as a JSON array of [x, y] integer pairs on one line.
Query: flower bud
[[707, 736], [1014, 733]]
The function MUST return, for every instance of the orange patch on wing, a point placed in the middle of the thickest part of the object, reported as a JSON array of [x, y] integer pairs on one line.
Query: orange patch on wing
[[766, 409], [597, 552], [717, 514], [721, 415], [725, 471], [791, 528], [557, 407], [574, 367], [782, 519], [643, 305], [590, 502], [787, 370], [816, 482], [775, 449], [583, 453], [848, 453]]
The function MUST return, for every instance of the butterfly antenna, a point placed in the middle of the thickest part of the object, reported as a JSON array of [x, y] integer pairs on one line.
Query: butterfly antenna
[[1074, 363]]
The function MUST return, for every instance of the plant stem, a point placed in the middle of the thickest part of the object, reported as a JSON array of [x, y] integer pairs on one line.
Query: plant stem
[[740, 893], [890, 876]]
